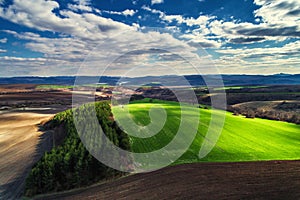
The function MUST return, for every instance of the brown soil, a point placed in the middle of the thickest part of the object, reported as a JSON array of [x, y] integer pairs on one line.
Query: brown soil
[[26, 95], [248, 180], [36, 98], [22, 109], [16, 87], [22, 144]]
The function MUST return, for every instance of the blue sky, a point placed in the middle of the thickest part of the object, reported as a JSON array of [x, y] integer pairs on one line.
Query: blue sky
[[48, 38]]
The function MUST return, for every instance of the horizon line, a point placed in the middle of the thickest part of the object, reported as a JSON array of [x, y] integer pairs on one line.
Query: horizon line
[[37, 76]]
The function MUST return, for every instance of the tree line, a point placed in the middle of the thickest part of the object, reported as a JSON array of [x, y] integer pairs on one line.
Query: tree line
[[70, 165]]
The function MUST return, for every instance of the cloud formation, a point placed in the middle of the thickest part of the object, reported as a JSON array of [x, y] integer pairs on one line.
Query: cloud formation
[[39, 15], [126, 12], [156, 1], [86, 34], [80, 30], [278, 22], [3, 40]]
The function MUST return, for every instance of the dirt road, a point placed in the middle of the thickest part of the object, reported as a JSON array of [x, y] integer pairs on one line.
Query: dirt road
[[21, 145]]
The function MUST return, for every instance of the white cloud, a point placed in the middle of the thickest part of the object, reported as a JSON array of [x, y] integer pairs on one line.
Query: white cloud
[[126, 12], [260, 60], [289, 49], [201, 21], [170, 18], [154, 11], [156, 1], [3, 40], [19, 66], [77, 7], [129, 12], [203, 43], [39, 15], [279, 12], [2, 50], [236, 66], [87, 31], [21, 59], [105, 38], [198, 37], [83, 2], [279, 20], [199, 40], [83, 5], [131, 49]]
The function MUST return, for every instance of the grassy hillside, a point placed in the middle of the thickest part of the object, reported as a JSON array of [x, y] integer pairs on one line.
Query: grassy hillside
[[242, 139]]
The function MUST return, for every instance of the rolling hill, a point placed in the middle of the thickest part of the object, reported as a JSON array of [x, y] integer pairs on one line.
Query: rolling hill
[[242, 139]]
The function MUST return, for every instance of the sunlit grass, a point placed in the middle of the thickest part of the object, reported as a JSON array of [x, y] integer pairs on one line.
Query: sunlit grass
[[242, 139]]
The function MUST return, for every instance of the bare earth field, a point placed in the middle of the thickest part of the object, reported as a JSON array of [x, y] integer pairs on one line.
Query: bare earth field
[[22, 108], [17, 96], [248, 180], [22, 144], [8, 88], [45, 100]]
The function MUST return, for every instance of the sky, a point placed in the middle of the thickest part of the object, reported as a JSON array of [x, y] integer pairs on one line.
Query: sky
[[148, 37]]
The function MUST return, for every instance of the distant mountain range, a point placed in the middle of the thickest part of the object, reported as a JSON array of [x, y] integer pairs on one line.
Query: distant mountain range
[[194, 80]]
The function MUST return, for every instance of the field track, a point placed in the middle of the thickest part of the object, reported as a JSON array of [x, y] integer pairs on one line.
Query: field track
[[248, 180]]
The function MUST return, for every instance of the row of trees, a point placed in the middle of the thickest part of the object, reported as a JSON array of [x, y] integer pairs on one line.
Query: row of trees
[[70, 165], [273, 114]]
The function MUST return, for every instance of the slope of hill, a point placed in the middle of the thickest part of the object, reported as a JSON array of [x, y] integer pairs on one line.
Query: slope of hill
[[247, 180], [70, 165], [22, 144], [242, 139]]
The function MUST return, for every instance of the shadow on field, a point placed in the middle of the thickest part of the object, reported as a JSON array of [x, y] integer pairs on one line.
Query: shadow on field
[[23, 156]]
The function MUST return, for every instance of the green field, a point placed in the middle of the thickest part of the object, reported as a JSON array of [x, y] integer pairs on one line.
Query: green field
[[238, 87], [242, 139], [54, 87]]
